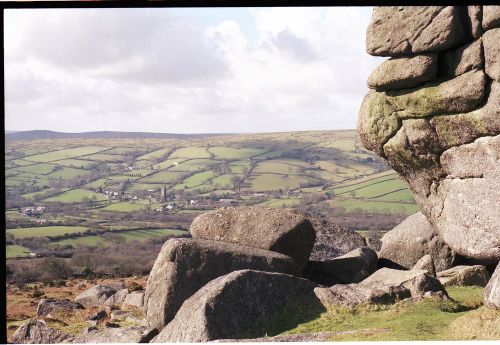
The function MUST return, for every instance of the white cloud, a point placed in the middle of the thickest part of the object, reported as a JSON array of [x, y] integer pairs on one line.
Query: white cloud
[[147, 70]]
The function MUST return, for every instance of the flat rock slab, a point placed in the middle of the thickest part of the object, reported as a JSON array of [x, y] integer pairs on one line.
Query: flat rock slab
[[280, 230], [95, 296], [403, 30], [243, 304], [351, 295], [50, 305], [412, 239], [418, 282], [352, 267], [404, 72], [492, 290], [185, 265], [132, 334], [476, 275], [37, 332]]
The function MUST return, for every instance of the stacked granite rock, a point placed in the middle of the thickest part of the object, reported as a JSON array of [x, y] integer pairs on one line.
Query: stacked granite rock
[[434, 114]]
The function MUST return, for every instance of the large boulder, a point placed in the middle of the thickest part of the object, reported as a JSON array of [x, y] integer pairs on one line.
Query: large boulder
[[418, 282], [419, 130], [402, 30], [491, 17], [117, 298], [476, 275], [280, 230], [492, 290], [427, 264], [333, 240], [134, 299], [47, 306], [131, 334], [185, 265], [414, 238], [491, 53], [37, 332], [352, 267], [385, 286], [404, 72], [242, 304], [95, 296]]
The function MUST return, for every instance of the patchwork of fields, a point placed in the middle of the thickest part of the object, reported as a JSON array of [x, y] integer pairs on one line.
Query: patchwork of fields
[[105, 178]]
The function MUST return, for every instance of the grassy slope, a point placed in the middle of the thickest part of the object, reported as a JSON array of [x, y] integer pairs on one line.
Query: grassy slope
[[424, 320], [43, 231]]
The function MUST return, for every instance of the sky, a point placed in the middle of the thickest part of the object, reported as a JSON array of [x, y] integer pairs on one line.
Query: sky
[[185, 70]]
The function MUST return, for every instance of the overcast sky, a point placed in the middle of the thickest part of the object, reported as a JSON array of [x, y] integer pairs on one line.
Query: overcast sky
[[185, 70]]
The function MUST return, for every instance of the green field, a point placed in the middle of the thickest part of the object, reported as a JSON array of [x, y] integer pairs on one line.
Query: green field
[[84, 241], [155, 154], [44, 231], [193, 165], [75, 195], [221, 152], [190, 152], [141, 235], [64, 154], [67, 173], [15, 251], [124, 207], [275, 168], [196, 180], [105, 157], [374, 206], [163, 177]]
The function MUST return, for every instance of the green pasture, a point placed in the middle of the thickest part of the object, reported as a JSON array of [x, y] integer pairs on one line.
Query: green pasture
[[75, 163], [124, 207], [196, 180], [142, 235], [84, 241], [190, 152], [75, 195], [67, 173], [193, 165], [372, 206], [155, 154], [105, 157], [273, 167], [229, 153], [43, 231], [66, 153], [15, 251], [162, 177]]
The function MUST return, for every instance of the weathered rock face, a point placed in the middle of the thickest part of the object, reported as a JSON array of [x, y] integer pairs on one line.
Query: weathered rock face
[[95, 296], [453, 117], [333, 240], [385, 286], [476, 275], [185, 265], [352, 267], [50, 305], [37, 332], [134, 299], [132, 334], [403, 30], [241, 304], [414, 238], [117, 298], [427, 264], [492, 290], [280, 230]]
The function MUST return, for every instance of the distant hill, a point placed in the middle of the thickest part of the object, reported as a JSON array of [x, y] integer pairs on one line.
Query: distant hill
[[45, 134]]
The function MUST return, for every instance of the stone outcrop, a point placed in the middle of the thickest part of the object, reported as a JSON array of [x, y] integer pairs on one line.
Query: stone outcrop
[[441, 133], [131, 334], [492, 290], [95, 296], [352, 267], [37, 332], [385, 286], [414, 238], [242, 304], [51, 305], [185, 265], [280, 230], [333, 240], [476, 275]]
